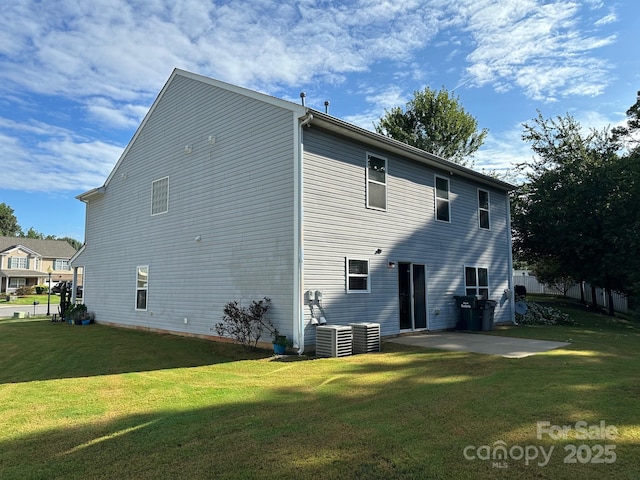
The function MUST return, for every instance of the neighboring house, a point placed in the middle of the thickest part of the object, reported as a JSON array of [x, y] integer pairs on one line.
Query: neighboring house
[[26, 262], [228, 194]]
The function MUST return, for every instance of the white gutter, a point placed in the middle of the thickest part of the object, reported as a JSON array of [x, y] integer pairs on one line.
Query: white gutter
[[298, 330]]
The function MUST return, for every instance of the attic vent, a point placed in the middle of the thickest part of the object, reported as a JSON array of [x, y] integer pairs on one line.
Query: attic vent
[[366, 337], [333, 341], [302, 95]]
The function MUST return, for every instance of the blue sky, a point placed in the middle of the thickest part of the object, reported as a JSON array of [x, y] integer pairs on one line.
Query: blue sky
[[76, 78]]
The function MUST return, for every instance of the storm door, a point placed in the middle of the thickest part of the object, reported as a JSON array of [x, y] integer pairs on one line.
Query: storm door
[[412, 288]]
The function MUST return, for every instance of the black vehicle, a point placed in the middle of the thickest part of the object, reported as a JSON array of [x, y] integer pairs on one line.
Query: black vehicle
[[57, 288]]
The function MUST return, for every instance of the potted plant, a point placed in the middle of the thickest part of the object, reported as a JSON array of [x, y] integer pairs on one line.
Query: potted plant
[[280, 343]]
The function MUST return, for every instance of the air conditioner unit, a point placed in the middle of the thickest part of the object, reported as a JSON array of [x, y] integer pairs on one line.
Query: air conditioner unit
[[333, 341], [366, 337]]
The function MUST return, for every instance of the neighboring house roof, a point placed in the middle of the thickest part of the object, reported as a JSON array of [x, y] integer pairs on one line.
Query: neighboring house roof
[[44, 248], [320, 119], [21, 273]]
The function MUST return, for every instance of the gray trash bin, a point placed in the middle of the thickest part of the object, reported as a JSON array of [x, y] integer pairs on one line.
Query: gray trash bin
[[487, 309]]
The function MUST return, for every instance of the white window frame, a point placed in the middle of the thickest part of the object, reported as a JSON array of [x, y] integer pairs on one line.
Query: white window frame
[[370, 181], [17, 282], [436, 198], [159, 205], [19, 263], [482, 209], [477, 288], [61, 264], [142, 287], [349, 275]]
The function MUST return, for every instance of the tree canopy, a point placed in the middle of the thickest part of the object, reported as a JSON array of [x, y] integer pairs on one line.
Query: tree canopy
[[578, 212], [435, 121]]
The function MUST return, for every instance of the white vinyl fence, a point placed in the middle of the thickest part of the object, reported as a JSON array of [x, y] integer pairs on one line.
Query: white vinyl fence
[[532, 285]]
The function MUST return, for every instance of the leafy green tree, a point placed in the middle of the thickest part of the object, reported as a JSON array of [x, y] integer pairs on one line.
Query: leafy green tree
[[32, 233], [435, 121], [567, 212], [633, 125], [8, 222], [73, 242]]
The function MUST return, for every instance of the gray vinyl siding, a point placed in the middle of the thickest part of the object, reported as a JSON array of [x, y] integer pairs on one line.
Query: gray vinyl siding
[[337, 224], [235, 194]]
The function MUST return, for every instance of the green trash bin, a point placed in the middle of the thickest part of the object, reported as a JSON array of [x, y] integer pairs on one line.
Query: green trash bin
[[486, 309], [469, 313]]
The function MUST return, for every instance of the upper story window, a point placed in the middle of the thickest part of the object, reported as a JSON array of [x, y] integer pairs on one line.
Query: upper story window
[[442, 199], [358, 276], [61, 264], [476, 281], [142, 286], [483, 209], [20, 263], [160, 196], [376, 182]]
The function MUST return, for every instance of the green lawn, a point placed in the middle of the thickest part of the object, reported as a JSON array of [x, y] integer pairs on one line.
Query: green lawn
[[29, 299], [79, 402]]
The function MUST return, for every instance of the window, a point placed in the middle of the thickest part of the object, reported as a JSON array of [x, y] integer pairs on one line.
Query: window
[[358, 276], [483, 209], [442, 199], [142, 283], [376, 182], [476, 281], [20, 263], [61, 264], [160, 196], [15, 282]]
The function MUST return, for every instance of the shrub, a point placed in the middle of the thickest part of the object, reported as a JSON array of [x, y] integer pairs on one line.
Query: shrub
[[541, 315], [245, 325], [40, 289], [24, 291]]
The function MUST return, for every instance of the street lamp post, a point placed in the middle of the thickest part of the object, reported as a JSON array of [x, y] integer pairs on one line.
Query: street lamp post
[[49, 270]]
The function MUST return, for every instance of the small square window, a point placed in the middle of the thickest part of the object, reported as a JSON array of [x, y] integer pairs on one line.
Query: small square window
[[357, 276]]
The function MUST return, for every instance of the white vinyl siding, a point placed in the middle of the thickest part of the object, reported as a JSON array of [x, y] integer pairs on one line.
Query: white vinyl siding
[[443, 211], [357, 274], [376, 182], [160, 196], [483, 209]]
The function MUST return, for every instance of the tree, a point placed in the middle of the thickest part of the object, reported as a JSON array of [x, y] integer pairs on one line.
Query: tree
[[633, 125], [8, 222], [437, 123], [32, 233], [568, 212]]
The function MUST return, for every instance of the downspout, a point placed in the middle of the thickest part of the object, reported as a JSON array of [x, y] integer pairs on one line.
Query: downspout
[[512, 302], [299, 232]]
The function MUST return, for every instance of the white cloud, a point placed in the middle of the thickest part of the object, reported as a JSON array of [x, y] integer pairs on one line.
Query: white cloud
[[40, 157]]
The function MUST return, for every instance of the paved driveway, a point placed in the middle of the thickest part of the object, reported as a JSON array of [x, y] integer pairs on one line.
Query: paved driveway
[[508, 347]]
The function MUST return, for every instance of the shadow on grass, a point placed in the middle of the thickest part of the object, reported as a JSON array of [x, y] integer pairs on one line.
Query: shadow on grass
[[41, 350], [409, 414]]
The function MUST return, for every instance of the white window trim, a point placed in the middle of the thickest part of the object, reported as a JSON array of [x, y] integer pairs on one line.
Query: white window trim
[[59, 264], [357, 275], [386, 181], [152, 185], [488, 209], [19, 263], [436, 198], [477, 287], [145, 288]]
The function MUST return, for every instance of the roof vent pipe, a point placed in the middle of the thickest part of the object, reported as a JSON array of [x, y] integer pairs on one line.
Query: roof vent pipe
[[302, 95], [326, 106]]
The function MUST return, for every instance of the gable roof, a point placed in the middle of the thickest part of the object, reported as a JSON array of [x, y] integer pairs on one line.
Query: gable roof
[[316, 117], [45, 248]]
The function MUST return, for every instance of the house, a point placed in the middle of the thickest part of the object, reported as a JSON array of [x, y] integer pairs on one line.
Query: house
[[26, 262], [227, 194]]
